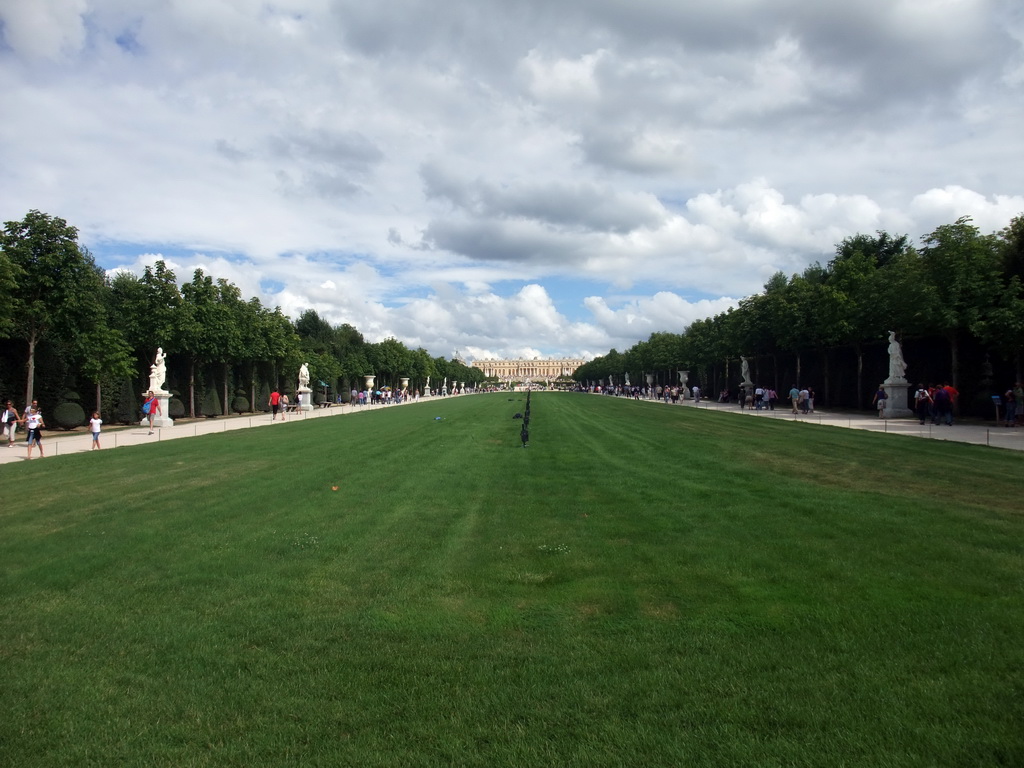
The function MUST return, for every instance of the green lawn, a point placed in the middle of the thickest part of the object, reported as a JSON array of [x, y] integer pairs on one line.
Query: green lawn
[[642, 586]]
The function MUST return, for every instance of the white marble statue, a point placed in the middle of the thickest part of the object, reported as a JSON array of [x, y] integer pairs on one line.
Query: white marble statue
[[745, 369], [158, 371], [304, 376], [897, 365]]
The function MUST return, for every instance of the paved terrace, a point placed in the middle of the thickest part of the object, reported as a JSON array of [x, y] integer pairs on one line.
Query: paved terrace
[[964, 431]]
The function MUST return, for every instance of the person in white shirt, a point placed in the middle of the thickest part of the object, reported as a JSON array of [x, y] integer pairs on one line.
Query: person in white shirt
[[34, 424], [94, 427]]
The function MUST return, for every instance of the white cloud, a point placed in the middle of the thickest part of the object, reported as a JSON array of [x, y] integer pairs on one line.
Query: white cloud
[[534, 177], [944, 206], [44, 29]]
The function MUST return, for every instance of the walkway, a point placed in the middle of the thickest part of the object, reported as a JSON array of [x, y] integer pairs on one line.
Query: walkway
[[61, 444], [963, 431], [971, 431]]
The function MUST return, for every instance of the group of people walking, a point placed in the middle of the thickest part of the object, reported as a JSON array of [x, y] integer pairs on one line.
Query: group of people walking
[[34, 423], [935, 402], [32, 420], [766, 398]]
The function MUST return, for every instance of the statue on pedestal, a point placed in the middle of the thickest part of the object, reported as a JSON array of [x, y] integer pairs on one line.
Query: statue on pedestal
[[897, 365], [304, 395], [158, 371]]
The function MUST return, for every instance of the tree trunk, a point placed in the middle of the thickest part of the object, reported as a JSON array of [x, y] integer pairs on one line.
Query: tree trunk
[[954, 360], [954, 364], [226, 406], [252, 388], [824, 370], [192, 386], [99, 399], [799, 383], [860, 377], [30, 384]]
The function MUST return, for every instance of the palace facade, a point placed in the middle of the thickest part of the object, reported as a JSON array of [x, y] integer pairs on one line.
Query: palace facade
[[527, 370]]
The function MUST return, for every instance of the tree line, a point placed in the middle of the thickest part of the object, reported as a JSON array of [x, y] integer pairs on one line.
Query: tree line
[[956, 302], [67, 327]]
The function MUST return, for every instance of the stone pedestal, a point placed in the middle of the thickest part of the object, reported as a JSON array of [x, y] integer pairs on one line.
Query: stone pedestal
[[161, 419], [897, 398], [305, 398]]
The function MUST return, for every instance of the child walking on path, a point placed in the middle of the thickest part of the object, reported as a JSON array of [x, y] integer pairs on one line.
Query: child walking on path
[[94, 427], [34, 423]]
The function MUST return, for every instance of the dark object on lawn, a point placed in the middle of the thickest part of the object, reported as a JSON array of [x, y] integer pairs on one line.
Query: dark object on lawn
[[524, 435], [518, 416]]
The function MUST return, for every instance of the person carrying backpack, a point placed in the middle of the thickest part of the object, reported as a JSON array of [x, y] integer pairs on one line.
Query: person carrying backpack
[[922, 403], [151, 408]]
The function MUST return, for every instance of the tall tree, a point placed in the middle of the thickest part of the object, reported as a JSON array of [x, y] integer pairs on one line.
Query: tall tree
[[8, 271], [1002, 326], [316, 333], [208, 329], [962, 269], [390, 359], [104, 354], [55, 282], [146, 311], [877, 287]]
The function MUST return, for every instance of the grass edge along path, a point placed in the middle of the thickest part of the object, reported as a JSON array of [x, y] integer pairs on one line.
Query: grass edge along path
[[639, 586]]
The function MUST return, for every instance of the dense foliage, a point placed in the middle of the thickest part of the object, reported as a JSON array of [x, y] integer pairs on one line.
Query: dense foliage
[[956, 302], [65, 325]]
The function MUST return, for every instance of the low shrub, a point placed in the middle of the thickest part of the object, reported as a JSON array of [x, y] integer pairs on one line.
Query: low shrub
[[69, 415]]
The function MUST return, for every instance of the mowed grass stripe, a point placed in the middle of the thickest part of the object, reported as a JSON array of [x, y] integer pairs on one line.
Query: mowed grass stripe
[[642, 585]]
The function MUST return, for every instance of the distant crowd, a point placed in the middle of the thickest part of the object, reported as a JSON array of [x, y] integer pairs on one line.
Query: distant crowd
[[935, 403]]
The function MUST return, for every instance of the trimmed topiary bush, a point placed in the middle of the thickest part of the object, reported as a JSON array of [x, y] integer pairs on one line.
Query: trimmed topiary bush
[[240, 404], [211, 403], [175, 408], [126, 408], [69, 415]]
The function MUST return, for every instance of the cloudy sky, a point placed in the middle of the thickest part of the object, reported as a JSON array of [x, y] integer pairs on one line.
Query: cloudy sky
[[507, 177]]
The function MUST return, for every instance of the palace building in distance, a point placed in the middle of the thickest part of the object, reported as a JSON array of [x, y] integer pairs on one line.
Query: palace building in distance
[[527, 370]]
